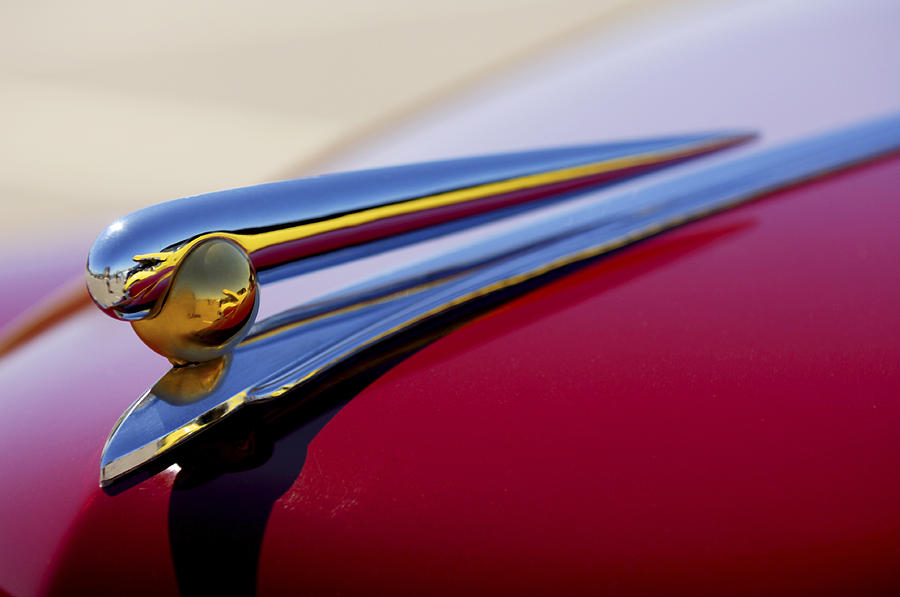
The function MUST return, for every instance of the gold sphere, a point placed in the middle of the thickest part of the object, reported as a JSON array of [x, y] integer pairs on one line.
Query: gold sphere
[[209, 307]]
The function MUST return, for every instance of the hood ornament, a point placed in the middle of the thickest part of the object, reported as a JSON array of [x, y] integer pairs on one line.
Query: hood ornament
[[184, 273], [446, 233], [208, 307]]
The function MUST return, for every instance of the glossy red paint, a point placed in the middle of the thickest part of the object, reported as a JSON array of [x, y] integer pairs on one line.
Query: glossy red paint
[[714, 410], [35, 275]]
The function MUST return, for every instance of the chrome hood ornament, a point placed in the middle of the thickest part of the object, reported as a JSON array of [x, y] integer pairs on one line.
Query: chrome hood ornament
[[146, 266], [420, 239]]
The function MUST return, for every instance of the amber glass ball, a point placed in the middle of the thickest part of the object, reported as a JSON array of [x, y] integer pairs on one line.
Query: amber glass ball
[[209, 307]]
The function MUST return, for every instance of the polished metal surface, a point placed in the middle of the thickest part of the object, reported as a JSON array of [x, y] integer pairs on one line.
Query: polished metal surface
[[286, 351], [210, 305], [133, 261]]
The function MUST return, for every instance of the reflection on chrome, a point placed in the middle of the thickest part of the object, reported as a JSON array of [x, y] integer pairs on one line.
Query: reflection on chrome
[[132, 264], [209, 306], [191, 383], [284, 352]]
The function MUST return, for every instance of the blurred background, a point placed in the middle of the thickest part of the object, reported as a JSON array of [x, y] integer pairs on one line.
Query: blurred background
[[107, 106]]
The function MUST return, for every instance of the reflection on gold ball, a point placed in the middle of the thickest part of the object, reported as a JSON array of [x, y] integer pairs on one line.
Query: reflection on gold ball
[[209, 307]]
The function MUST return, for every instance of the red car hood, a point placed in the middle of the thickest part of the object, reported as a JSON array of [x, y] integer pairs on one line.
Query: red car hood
[[713, 410], [715, 407]]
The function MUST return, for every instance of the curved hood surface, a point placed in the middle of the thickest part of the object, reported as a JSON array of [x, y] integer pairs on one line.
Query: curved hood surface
[[713, 407]]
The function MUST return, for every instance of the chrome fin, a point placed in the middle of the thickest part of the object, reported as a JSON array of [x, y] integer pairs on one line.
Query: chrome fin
[[289, 349]]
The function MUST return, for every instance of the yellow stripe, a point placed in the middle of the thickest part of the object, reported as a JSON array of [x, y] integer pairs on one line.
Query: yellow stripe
[[267, 239], [255, 242]]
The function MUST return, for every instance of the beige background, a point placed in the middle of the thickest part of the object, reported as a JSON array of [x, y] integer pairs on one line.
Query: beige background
[[110, 106]]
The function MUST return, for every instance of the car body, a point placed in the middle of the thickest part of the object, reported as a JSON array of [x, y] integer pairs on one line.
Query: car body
[[712, 409]]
